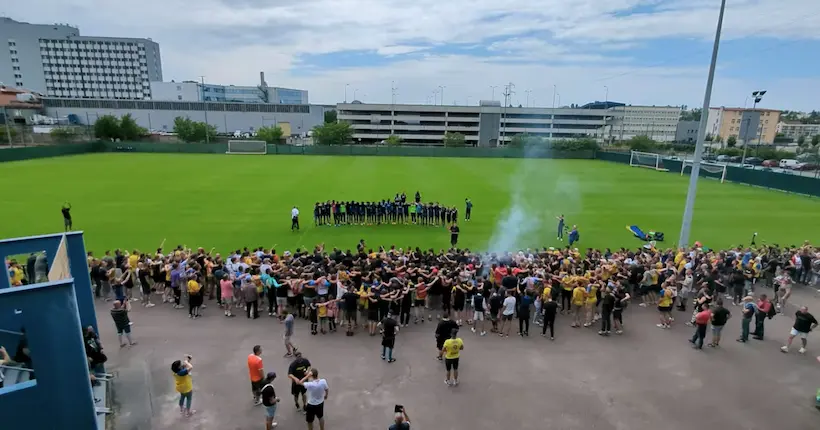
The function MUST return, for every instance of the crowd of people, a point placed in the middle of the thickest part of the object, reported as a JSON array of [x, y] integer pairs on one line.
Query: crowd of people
[[387, 211]]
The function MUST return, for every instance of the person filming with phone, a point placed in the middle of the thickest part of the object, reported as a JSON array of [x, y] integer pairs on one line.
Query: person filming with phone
[[401, 420]]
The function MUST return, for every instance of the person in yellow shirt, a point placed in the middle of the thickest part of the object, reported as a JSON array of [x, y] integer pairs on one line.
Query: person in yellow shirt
[[16, 273], [591, 303], [452, 351], [579, 297], [566, 293], [667, 297], [184, 384], [133, 259], [194, 298]]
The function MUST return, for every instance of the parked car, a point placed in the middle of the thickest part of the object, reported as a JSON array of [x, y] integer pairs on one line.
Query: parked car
[[735, 159], [771, 163], [806, 166], [723, 158], [754, 161], [709, 157], [788, 163]]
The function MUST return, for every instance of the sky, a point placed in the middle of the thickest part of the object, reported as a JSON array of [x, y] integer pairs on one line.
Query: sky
[[647, 52]]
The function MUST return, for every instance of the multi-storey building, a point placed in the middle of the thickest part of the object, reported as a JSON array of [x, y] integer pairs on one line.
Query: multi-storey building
[[659, 123], [726, 122], [192, 91], [55, 60], [795, 130], [488, 124]]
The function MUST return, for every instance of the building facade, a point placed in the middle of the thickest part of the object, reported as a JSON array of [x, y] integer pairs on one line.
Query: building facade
[[56, 61], [488, 124], [191, 91], [687, 132], [659, 123], [725, 122], [159, 116], [795, 130]]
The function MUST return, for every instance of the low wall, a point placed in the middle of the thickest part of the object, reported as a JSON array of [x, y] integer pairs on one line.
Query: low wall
[[45, 151], [760, 178]]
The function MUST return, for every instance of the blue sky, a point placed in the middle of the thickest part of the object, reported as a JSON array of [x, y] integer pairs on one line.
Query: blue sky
[[635, 51]]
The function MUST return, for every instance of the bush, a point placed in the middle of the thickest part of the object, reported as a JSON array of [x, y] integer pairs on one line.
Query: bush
[[393, 140], [272, 134], [336, 133], [583, 144], [107, 127], [63, 134], [452, 139], [730, 152], [193, 131], [130, 130]]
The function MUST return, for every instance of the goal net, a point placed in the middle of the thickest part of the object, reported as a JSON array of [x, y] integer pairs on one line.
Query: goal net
[[252, 147], [707, 169], [645, 159]]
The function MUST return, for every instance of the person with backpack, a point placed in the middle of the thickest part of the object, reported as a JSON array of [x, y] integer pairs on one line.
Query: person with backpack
[[764, 310]]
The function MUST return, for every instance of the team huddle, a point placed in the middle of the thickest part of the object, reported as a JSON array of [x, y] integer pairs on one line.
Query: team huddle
[[387, 211]]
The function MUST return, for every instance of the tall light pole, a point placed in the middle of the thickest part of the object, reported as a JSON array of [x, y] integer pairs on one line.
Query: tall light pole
[[508, 91], [689, 209], [355, 91], [435, 96], [554, 93], [346, 85], [393, 89], [758, 96], [528, 97], [606, 108], [442, 87], [207, 137], [493, 93]]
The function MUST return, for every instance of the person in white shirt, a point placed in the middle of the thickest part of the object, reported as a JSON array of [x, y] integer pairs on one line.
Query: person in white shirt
[[317, 392], [294, 219], [507, 313]]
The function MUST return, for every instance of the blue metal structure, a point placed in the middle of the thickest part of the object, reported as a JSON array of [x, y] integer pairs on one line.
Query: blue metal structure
[[53, 315]]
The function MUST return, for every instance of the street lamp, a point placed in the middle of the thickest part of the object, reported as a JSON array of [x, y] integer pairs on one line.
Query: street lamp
[[346, 85], [528, 96], [757, 96], [442, 87], [493, 93]]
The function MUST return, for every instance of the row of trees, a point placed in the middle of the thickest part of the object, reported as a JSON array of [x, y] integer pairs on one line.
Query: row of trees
[[109, 127]]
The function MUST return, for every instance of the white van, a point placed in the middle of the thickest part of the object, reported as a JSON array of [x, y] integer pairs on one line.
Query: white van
[[789, 163]]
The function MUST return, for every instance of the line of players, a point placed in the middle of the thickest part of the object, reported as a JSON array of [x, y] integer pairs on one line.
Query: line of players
[[394, 211]]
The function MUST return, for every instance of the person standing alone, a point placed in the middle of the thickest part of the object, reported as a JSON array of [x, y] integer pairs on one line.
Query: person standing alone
[[184, 384], [66, 210], [294, 219], [389, 328], [270, 401], [256, 373], [804, 322], [452, 351], [468, 209], [317, 392]]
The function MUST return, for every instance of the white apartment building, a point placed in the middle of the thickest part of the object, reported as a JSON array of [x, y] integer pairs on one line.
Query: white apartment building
[[192, 91], [794, 131], [488, 124], [659, 123], [55, 60]]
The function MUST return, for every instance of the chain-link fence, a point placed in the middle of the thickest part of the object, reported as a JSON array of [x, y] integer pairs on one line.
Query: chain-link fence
[[27, 135]]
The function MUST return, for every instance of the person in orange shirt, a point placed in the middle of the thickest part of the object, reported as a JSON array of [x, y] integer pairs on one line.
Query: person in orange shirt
[[256, 373]]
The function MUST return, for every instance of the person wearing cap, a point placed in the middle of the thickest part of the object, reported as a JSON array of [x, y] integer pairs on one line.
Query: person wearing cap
[[269, 400]]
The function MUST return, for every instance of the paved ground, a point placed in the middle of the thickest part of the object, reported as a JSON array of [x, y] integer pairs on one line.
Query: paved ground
[[644, 380]]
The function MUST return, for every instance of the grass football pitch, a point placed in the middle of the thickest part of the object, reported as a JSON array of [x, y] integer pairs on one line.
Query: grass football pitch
[[133, 201]]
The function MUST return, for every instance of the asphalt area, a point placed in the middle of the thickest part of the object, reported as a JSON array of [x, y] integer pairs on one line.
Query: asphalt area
[[645, 379]]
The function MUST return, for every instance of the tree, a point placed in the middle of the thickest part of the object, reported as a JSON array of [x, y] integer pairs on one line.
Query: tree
[[63, 134], [271, 134], [717, 139], [642, 143], [690, 115], [330, 116], [107, 127], [393, 140], [452, 139], [731, 141], [336, 133], [520, 140], [130, 130], [801, 141], [193, 131], [708, 137], [815, 140]]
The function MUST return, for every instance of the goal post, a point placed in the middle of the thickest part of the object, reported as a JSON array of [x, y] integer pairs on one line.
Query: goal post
[[707, 169], [247, 147], [645, 159]]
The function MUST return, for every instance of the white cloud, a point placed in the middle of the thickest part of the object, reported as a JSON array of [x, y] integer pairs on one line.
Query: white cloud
[[579, 45]]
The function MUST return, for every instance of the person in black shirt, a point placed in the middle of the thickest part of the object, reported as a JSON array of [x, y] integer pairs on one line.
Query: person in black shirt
[[443, 330], [496, 301], [549, 308], [607, 306], [350, 300], [804, 322], [454, 230], [720, 316], [270, 401], [296, 372], [66, 210], [478, 313], [621, 298], [389, 328]]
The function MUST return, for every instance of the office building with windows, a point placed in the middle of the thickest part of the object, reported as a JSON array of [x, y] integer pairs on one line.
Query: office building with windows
[[795, 130], [53, 59], [488, 124], [659, 123], [192, 91], [725, 122]]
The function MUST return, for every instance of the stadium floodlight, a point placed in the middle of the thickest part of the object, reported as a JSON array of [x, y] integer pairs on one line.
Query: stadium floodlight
[[758, 96]]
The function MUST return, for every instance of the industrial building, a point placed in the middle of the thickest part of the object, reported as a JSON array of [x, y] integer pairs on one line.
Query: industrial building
[[53, 59], [795, 130], [488, 124], [159, 116], [725, 122], [659, 123], [687, 132], [192, 91]]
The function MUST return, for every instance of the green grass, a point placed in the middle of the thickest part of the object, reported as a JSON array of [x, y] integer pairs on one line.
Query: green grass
[[136, 200]]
